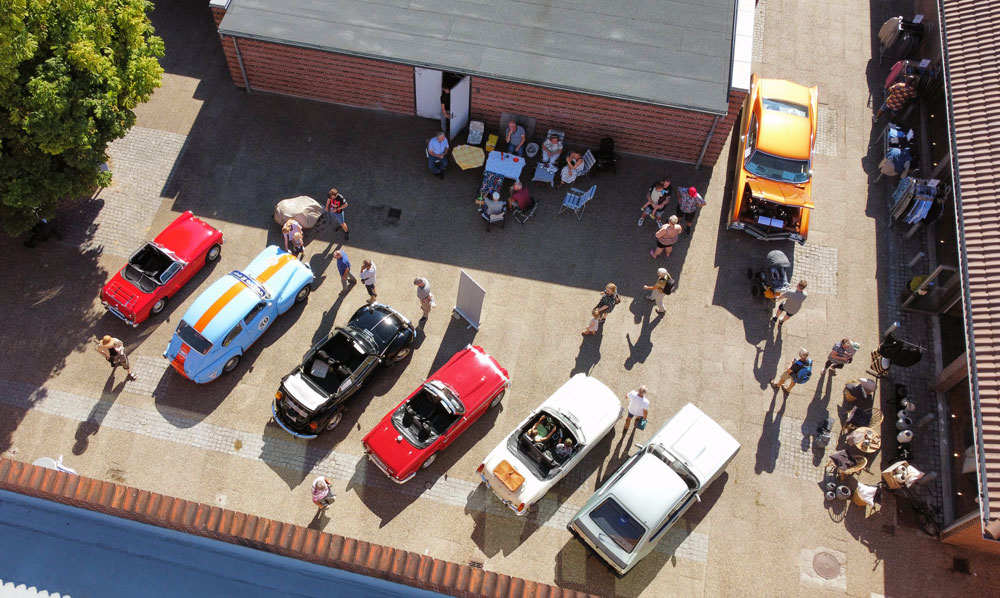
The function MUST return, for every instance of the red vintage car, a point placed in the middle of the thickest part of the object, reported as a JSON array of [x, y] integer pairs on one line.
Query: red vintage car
[[410, 436], [160, 268]]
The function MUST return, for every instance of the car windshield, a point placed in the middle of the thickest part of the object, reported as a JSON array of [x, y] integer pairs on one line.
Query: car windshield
[[618, 524], [191, 336], [776, 168], [786, 107], [146, 283], [675, 464]]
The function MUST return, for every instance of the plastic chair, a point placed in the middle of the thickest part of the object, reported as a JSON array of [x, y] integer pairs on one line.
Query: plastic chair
[[523, 215], [576, 200]]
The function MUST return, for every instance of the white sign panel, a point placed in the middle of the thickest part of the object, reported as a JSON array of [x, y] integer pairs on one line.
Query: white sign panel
[[469, 304]]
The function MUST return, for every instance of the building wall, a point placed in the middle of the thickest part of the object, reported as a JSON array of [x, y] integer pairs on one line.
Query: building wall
[[669, 133], [968, 533]]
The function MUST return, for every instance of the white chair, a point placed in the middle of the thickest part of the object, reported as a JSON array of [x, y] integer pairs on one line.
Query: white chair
[[576, 200]]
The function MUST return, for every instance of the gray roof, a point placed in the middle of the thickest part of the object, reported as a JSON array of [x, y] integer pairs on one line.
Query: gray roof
[[668, 52]]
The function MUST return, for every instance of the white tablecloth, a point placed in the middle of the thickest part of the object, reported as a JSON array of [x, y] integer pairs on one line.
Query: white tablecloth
[[506, 164]]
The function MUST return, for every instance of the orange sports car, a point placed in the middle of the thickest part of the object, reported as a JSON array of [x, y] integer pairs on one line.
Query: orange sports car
[[771, 193]]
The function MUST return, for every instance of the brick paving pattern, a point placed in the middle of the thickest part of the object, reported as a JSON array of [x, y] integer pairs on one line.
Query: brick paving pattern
[[791, 450], [826, 131], [117, 220], [818, 265], [289, 454]]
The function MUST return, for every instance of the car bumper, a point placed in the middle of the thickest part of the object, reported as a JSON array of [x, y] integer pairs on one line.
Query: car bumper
[[763, 235], [274, 414], [587, 541], [378, 463], [509, 504], [114, 311]]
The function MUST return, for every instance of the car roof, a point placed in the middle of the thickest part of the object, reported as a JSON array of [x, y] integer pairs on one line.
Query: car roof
[[469, 370], [649, 489], [784, 135], [698, 440], [185, 236]]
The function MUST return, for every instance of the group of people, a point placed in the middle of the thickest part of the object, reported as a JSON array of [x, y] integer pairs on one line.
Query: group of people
[[689, 201], [333, 211]]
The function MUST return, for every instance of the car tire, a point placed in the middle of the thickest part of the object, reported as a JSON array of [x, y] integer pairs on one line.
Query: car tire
[[213, 253], [335, 420], [427, 462], [496, 400], [302, 294], [158, 306], [402, 354], [231, 364]]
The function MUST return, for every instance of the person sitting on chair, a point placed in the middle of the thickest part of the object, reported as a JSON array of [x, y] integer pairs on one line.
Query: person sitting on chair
[[493, 207], [574, 162], [515, 138], [551, 150], [564, 449], [543, 429], [437, 154], [520, 197]]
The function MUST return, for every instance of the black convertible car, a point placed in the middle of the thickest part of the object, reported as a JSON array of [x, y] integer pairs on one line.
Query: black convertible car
[[313, 395]]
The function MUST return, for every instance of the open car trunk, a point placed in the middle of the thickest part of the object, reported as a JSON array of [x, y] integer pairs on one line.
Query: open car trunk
[[766, 217]]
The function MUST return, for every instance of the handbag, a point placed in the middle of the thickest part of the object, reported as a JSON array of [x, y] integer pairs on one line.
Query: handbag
[[641, 423]]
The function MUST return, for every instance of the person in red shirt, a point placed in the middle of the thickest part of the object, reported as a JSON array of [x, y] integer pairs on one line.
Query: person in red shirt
[[519, 197], [896, 96], [335, 206]]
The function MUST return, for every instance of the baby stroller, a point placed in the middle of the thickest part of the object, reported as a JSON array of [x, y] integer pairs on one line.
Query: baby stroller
[[606, 156], [771, 280]]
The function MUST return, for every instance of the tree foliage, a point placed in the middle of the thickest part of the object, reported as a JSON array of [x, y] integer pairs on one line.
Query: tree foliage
[[71, 71]]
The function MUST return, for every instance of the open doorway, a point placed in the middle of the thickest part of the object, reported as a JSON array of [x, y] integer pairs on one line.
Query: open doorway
[[429, 85]]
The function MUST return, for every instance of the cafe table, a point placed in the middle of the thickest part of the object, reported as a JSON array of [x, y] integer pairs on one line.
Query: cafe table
[[865, 440]]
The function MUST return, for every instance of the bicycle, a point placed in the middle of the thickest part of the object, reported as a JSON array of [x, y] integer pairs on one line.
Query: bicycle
[[928, 517]]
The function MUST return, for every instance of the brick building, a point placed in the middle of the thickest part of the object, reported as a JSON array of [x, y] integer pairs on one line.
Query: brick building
[[663, 78]]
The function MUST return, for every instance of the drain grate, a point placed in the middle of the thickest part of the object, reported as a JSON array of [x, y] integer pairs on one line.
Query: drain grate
[[826, 565], [393, 216]]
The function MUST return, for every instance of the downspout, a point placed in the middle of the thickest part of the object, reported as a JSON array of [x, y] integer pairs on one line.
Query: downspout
[[243, 70], [704, 146]]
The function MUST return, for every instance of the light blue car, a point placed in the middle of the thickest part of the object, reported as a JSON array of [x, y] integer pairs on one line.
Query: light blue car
[[234, 312]]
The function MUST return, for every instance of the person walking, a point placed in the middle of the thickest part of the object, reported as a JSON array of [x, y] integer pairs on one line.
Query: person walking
[[437, 154], [789, 303], [335, 206], [322, 493], [367, 276], [841, 355], [425, 296], [798, 372], [609, 299], [113, 350], [666, 236], [688, 204], [638, 407], [659, 289], [347, 280]]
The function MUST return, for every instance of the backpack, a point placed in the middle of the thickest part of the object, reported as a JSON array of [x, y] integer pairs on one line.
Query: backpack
[[805, 372], [671, 285]]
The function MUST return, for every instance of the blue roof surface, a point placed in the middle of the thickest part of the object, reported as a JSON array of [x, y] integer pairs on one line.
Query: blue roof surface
[[83, 553]]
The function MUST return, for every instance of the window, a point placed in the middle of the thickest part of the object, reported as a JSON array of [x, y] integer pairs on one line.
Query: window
[[192, 338], [253, 312], [785, 107], [617, 523], [751, 135], [172, 269], [776, 168], [237, 329]]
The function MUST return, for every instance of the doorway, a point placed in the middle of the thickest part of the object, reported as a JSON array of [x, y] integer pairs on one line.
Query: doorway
[[428, 85]]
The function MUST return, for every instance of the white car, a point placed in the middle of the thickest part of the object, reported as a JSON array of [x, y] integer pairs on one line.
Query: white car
[[526, 465], [627, 517]]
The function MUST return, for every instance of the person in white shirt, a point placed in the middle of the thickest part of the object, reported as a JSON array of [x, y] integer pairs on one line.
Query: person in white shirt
[[638, 406], [367, 276]]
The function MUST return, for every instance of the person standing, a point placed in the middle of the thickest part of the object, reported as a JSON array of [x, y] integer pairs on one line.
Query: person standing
[[437, 154], [335, 206], [445, 107], [113, 350], [515, 138], [688, 204], [657, 199], [347, 280], [841, 355], [666, 236], [659, 289], [638, 407], [322, 493], [367, 276], [609, 299], [425, 296], [789, 303], [798, 371]]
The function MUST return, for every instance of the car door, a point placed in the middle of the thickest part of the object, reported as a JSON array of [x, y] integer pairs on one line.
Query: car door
[[257, 320], [175, 276]]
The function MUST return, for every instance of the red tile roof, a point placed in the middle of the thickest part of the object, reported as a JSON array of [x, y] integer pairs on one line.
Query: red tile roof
[[970, 29], [285, 539]]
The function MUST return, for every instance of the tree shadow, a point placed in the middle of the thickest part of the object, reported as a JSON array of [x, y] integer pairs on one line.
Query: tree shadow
[[90, 426], [643, 346], [769, 445]]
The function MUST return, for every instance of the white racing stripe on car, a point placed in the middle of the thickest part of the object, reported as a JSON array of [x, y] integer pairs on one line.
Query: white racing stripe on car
[[294, 454]]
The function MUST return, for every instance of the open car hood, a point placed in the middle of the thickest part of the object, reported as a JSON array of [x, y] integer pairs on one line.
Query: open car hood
[[786, 194]]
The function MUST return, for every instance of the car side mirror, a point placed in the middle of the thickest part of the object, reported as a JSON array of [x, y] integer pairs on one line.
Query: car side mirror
[[743, 137], [697, 497]]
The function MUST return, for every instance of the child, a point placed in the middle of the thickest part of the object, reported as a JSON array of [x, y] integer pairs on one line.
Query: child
[[297, 248]]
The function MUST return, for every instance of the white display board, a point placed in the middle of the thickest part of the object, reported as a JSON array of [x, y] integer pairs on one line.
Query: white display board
[[469, 304]]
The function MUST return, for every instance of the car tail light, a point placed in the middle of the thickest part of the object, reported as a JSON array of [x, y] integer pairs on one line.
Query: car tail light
[[278, 395], [481, 467], [313, 426], [520, 507]]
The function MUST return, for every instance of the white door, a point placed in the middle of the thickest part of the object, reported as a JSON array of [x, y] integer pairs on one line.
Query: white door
[[460, 98], [428, 88]]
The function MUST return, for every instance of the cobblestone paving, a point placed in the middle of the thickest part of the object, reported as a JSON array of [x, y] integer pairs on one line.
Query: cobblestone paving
[[791, 450], [288, 454], [150, 380], [818, 265], [117, 220], [757, 54], [826, 131]]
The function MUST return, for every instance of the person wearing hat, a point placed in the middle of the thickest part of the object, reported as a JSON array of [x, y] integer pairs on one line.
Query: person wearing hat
[[113, 350], [688, 202], [658, 290]]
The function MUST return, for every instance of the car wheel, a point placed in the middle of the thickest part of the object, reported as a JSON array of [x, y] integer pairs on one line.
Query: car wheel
[[302, 294], [402, 354], [496, 400], [158, 306], [428, 462], [231, 364], [335, 420], [213, 253]]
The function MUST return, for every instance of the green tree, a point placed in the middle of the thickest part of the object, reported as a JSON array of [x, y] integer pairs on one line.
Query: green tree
[[71, 71]]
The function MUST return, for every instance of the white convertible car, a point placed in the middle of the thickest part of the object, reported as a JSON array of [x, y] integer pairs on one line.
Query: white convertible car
[[527, 464]]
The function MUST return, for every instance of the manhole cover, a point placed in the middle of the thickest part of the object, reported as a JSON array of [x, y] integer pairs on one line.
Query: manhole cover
[[826, 565], [394, 214]]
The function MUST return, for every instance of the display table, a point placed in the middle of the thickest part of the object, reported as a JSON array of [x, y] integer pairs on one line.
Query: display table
[[508, 165]]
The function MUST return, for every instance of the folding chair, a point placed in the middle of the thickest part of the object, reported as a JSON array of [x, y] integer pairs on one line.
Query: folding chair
[[588, 162], [523, 215], [494, 219], [576, 200]]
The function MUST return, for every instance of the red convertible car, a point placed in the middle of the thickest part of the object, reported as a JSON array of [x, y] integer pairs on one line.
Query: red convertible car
[[160, 268], [410, 436]]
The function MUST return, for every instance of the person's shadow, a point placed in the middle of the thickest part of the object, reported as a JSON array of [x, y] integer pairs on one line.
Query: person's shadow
[[769, 444], [319, 520], [590, 353], [816, 414], [90, 426], [643, 346], [765, 363]]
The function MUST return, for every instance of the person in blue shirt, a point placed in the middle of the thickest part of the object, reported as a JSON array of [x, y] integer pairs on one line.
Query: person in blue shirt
[[437, 154], [347, 280]]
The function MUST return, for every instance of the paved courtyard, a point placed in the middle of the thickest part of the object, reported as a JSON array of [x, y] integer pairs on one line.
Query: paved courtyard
[[202, 145]]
